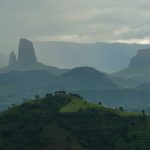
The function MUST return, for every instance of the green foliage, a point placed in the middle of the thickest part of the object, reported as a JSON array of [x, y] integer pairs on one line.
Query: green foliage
[[67, 122], [77, 104]]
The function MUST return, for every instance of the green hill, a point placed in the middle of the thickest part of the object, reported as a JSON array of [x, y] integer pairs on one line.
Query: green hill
[[67, 122]]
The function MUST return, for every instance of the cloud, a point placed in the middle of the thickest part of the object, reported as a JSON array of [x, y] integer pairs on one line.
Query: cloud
[[82, 21], [69, 20], [145, 40]]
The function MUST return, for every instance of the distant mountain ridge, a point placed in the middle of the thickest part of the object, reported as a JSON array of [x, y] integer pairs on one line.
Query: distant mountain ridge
[[105, 57], [15, 86], [26, 84], [72, 79]]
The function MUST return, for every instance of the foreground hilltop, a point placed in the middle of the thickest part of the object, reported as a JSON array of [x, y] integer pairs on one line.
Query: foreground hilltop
[[63, 121]]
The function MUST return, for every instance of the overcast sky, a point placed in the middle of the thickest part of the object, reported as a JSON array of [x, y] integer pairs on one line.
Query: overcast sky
[[84, 21]]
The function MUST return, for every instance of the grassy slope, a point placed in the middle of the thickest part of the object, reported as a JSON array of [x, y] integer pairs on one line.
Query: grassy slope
[[77, 104], [63, 122]]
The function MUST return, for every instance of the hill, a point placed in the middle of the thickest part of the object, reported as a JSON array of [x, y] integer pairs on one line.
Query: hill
[[86, 78], [95, 86], [15, 86], [66, 121], [18, 85]]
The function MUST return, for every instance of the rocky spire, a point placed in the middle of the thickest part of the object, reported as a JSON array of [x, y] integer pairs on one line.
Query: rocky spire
[[26, 55], [12, 59]]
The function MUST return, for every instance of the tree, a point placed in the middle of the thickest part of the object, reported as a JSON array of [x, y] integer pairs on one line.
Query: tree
[[49, 95], [100, 103], [13, 105], [37, 97], [121, 109], [143, 115], [60, 93]]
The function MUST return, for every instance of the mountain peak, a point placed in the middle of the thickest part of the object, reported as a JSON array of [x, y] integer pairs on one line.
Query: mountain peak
[[87, 78], [26, 54], [12, 59]]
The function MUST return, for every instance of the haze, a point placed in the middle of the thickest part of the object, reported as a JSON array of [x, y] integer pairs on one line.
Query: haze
[[82, 21]]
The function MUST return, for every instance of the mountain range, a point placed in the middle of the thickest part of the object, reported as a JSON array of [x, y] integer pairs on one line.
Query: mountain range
[[25, 77], [17, 85]]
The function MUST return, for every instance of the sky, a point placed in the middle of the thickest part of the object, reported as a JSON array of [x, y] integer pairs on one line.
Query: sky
[[83, 21]]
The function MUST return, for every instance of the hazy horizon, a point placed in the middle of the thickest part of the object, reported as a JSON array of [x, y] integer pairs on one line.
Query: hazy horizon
[[83, 21], [105, 57]]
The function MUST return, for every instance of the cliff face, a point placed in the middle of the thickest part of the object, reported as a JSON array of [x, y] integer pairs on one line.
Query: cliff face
[[141, 60], [139, 66], [26, 54]]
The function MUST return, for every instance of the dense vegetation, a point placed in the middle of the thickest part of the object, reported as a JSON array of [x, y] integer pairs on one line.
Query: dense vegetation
[[63, 121]]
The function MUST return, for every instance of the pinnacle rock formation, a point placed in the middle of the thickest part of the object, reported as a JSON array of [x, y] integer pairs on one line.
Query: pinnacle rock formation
[[12, 59], [27, 60], [26, 54]]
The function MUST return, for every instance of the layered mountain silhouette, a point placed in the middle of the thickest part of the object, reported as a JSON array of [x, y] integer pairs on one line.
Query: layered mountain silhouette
[[79, 78], [24, 77], [27, 60], [18, 85]]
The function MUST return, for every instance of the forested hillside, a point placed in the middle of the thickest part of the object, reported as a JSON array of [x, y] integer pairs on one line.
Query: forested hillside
[[63, 121]]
